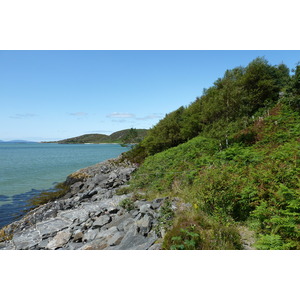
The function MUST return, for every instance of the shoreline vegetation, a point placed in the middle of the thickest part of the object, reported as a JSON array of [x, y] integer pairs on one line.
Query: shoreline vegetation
[[221, 173]]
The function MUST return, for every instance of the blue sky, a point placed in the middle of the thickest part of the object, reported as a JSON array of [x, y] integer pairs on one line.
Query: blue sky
[[50, 95]]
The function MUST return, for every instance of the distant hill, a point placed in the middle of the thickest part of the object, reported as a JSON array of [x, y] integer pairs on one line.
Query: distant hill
[[127, 136], [17, 141]]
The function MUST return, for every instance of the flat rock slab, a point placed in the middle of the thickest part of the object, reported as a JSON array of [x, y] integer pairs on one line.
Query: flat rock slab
[[59, 240], [50, 227], [92, 207], [80, 214], [101, 221], [26, 239]]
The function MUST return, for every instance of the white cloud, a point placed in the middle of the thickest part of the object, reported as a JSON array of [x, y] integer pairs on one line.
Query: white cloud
[[120, 115], [23, 116], [79, 114], [151, 117]]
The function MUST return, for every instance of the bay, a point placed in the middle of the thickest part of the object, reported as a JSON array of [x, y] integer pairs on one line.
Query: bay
[[26, 169]]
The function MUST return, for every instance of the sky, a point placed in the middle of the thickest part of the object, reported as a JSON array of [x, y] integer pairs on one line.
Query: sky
[[52, 95]]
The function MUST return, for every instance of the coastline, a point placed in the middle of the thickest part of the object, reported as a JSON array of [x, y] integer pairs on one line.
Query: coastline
[[91, 215]]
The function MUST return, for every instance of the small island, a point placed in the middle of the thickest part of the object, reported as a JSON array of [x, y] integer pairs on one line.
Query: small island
[[126, 136]]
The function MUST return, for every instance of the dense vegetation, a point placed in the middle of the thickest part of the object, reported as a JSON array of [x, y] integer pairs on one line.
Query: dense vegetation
[[126, 136], [234, 156]]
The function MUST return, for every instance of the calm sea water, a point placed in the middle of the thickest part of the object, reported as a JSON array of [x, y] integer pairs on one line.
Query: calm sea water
[[26, 169]]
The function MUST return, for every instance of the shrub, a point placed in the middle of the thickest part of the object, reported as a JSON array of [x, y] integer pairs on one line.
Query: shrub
[[127, 204]]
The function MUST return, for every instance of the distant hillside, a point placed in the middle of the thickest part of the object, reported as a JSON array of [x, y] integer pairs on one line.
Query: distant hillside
[[127, 136], [17, 141]]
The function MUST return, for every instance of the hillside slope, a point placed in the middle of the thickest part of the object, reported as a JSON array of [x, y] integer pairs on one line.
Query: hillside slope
[[233, 157]]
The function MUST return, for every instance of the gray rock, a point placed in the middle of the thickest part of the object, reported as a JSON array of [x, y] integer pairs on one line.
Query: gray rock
[[7, 246], [116, 220], [90, 235], [132, 242], [101, 240], [125, 224], [92, 207], [26, 239], [101, 221], [87, 224], [149, 241], [138, 216], [78, 235], [107, 233], [74, 246], [51, 213], [43, 244], [144, 224], [156, 203], [80, 215], [100, 178], [97, 244], [134, 213], [50, 227], [156, 246], [144, 208], [59, 240], [112, 210], [116, 239], [75, 188]]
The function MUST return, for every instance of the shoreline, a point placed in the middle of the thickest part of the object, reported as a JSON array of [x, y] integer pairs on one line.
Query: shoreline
[[92, 215]]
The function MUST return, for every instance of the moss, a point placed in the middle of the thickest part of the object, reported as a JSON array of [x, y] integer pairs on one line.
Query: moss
[[77, 176], [60, 190], [123, 191], [4, 236]]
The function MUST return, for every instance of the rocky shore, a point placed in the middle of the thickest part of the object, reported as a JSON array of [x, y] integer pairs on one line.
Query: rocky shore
[[95, 214]]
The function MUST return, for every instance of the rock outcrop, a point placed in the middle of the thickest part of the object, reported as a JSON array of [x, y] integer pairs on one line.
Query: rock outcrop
[[91, 216]]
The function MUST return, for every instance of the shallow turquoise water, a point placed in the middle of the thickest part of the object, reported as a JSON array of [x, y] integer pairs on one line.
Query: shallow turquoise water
[[28, 168]]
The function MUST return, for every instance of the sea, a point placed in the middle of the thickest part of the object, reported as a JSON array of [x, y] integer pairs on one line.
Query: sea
[[27, 169]]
